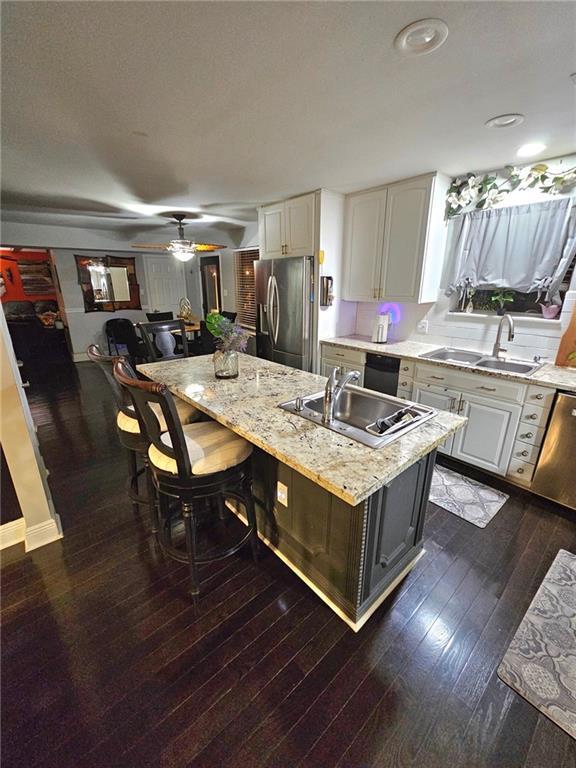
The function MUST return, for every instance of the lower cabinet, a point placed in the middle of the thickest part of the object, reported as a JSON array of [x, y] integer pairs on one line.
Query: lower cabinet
[[327, 366], [352, 555], [488, 437], [443, 400]]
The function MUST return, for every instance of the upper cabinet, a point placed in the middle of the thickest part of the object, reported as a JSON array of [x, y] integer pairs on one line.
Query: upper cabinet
[[394, 241], [287, 228], [364, 230]]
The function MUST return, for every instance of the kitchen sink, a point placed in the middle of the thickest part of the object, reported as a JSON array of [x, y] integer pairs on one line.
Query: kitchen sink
[[508, 365], [452, 355], [370, 418], [478, 360]]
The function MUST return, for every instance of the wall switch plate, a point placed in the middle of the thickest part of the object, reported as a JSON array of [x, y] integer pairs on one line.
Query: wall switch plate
[[224, 292], [282, 493], [422, 326]]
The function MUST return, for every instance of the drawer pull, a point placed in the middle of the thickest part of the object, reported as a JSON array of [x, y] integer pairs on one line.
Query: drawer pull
[[523, 453], [520, 471], [528, 435], [403, 383], [405, 368], [439, 378], [539, 396], [488, 389], [532, 416]]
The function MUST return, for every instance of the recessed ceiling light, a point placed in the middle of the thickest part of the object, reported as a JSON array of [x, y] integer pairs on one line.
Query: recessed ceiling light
[[505, 121], [421, 37], [529, 150]]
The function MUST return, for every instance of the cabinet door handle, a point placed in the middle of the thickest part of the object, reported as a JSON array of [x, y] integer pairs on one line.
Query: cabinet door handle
[[461, 406], [403, 383], [528, 435], [539, 396], [405, 368], [487, 389], [520, 471], [452, 403], [523, 453], [532, 416]]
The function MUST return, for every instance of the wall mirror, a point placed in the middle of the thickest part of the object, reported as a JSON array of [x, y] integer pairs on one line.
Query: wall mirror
[[108, 283]]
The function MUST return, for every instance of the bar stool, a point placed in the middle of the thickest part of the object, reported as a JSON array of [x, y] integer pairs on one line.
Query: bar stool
[[199, 465], [129, 434]]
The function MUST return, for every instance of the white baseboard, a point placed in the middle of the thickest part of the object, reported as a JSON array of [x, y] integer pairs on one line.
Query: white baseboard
[[43, 533], [12, 533]]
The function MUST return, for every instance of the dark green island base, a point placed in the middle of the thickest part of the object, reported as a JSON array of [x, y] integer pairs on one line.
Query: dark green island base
[[352, 557]]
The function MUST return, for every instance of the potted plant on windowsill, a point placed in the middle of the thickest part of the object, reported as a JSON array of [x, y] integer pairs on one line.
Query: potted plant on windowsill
[[501, 298], [231, 338]]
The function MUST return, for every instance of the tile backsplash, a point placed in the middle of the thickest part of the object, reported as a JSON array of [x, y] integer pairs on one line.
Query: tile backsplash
[[533, 336]]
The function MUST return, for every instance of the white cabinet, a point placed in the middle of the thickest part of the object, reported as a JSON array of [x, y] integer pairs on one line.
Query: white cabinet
[[394, 241], [443, 400], [488, 437], [364, 230], [342, 357], [327, 366], [271, 224], [287, 228]]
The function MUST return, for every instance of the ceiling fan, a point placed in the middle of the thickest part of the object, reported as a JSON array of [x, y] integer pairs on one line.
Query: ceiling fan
[[181, 248]]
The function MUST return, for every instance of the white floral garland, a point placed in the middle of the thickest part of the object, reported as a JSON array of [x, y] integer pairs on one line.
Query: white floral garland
[[471, 192]]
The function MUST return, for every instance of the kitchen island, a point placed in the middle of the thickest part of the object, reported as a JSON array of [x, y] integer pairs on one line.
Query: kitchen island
[[345, 517]]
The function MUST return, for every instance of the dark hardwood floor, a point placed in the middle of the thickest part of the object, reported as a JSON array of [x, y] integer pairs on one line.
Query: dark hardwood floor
[[107, 663]]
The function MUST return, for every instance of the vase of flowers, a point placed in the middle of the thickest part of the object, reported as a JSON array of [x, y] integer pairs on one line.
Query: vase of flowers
[[231, 338]]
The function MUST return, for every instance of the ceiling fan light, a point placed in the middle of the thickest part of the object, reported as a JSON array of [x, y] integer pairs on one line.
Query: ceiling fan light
[[183, 250]]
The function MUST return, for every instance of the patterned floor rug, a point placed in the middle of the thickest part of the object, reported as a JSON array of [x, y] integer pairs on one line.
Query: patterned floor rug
[[473, 501], [540, 663]]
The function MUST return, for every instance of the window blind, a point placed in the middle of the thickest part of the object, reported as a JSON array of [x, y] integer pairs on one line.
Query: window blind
[[245, 288]]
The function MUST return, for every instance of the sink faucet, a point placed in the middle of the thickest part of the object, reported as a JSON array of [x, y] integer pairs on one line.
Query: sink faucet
[[335, 385], [497, 349]]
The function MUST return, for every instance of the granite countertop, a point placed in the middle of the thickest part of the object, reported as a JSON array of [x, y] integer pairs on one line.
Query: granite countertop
[[548, 375], [248, 406]]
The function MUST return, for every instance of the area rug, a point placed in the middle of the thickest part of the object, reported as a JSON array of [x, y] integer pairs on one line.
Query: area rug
[[472, 501], [540, 663]]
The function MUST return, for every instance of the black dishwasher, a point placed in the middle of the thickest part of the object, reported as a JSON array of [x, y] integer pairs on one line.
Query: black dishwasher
[[381, 373]]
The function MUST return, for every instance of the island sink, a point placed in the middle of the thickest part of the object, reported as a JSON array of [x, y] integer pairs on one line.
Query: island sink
[[370, 418]]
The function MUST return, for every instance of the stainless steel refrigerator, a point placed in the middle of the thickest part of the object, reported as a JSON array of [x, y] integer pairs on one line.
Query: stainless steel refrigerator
[[284, 301]]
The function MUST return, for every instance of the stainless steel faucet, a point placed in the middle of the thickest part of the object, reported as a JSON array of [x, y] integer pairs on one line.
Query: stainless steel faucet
[[335, 385], [497, 348]]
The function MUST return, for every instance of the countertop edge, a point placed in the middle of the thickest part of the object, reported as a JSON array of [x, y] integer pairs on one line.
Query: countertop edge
[[391, 349]]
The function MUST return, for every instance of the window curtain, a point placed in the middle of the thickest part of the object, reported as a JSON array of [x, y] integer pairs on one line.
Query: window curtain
[[523, 247]]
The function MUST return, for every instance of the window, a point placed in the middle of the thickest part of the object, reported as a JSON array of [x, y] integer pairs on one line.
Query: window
[[245, 287]]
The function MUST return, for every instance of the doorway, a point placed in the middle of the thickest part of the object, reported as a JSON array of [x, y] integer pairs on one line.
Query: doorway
[[210, 279]]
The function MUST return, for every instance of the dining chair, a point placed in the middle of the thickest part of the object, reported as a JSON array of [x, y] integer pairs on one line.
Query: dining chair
[[165, 340]]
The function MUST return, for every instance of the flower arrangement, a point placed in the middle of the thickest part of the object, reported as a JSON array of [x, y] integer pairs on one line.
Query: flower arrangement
[[230, 336], [476, 192]]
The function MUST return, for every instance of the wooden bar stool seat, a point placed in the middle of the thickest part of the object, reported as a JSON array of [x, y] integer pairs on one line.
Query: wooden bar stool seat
[[199, 466]]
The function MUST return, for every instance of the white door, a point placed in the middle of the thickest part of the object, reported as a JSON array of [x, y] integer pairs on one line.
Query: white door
[[271, 225], [488, 438], [443, 400], [364, 225], [407, 208], [165, 283], [299, 222]]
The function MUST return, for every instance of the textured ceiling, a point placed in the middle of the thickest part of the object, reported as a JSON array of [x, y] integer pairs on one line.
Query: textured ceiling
[[117, 109]]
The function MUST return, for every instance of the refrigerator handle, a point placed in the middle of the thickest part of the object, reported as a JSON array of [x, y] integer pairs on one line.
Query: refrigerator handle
[[268, 305], [276, 319]]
